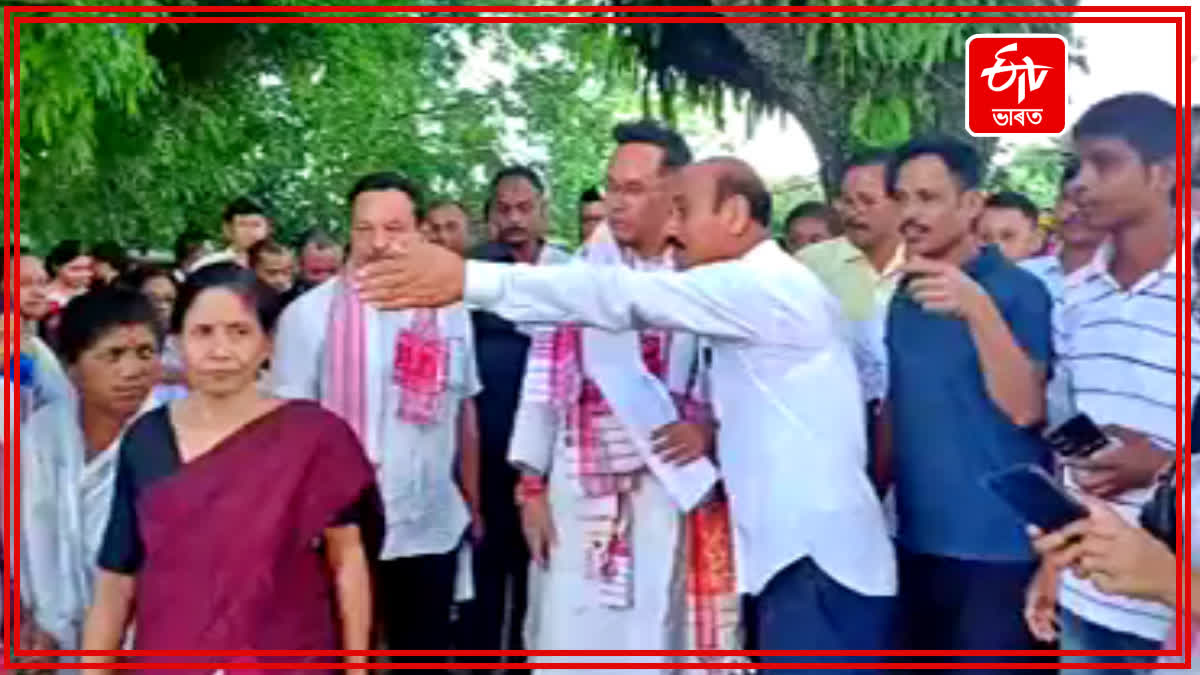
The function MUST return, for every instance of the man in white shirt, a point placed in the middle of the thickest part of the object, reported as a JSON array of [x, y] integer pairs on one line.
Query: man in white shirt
[[245, 223], [1116, 338], [810, 539], [1078, 241], [405, 382]]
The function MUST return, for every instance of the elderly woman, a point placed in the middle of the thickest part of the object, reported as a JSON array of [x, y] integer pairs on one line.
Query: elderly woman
[[239, 521], [68, 457]]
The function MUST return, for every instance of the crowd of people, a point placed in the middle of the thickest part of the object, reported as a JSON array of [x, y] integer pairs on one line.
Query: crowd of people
[[685, 435]]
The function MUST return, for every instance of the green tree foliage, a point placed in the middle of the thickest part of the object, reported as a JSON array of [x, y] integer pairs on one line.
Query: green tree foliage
[[1035, 170], [852, 86], [293, 114]]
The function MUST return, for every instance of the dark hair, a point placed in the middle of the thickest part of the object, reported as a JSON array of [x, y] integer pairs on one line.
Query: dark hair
[[812, 210], [265, 247], [676, 152], [89, 317], [1070, 170], [1013, 200], [243, 206], [515, 171], [64, 252], [188, 242], [235, 279], [138, 275], [1145, 122], [449, 202], [737, 178], [112, 253], [873, 157], [387, 181], [959, 157], [318, 237], [590, 195]]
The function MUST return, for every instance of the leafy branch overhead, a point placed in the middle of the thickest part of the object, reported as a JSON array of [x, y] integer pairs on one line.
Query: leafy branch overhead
[[852, 86]]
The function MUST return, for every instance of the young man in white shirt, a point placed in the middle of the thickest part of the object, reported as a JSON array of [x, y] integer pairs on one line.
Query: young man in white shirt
[[245, 223], [405, 382], [1117, 346], [810, 539], [1078, 241]]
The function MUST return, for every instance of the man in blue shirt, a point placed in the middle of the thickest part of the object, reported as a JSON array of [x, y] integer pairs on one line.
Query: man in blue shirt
[[969, 338]]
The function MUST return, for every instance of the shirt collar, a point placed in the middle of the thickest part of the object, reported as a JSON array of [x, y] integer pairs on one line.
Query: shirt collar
[[765, 250], [856, 254], [988, 259]]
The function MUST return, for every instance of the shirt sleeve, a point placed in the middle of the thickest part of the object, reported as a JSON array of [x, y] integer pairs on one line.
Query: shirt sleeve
[[714, 301], [121, 550], [474, 384], [296, 360], [534, 428], [1029, 319]]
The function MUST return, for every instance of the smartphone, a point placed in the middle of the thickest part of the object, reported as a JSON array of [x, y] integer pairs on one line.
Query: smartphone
[[1078, 437], [1032, 494]]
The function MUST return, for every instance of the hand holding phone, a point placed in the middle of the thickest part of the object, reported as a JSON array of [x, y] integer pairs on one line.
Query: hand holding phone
[[1079, 437], [1034, 496]]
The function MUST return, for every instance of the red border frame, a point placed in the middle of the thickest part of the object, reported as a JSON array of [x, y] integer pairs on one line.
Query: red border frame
[[13, 16]]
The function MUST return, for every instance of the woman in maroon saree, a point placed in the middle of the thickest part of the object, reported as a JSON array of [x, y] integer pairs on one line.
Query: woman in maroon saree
[[240, 522]]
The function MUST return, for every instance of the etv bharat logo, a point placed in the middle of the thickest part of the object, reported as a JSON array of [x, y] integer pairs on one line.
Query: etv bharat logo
[[1016, 84]]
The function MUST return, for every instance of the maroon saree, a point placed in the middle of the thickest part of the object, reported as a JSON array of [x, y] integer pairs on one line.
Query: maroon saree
[[233, 541]]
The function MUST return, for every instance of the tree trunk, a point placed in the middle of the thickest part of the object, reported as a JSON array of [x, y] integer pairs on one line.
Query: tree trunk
[[822, 109]]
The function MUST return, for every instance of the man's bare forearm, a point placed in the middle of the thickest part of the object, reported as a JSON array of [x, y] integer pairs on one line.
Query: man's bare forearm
[[1014, 382]]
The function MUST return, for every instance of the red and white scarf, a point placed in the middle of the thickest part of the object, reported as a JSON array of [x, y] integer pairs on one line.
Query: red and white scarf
[[605, 465], [419, 366]]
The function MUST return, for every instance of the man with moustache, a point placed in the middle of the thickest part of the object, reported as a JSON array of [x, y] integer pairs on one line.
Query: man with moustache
[[862, 266], [405, 382], [968, 336], [515, 211], [810, 537]]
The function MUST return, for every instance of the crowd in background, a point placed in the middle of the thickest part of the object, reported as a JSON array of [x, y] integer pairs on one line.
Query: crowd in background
[[397, 436]]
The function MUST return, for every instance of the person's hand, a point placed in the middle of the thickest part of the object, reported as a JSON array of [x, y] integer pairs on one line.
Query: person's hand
[[538, 527], [477, 527], [413, 273], [34, 638], [682, 442], [1134, 463], [1060, 549], [1041, 604], [942, 288], [1123, 559]]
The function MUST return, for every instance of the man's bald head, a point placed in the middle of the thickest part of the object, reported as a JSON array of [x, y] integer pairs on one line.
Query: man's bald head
[[736, 178], [723, 210]]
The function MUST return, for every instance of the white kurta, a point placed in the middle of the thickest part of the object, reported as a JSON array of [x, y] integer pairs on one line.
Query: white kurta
[[425, 510], [65, 505], [565, 611]]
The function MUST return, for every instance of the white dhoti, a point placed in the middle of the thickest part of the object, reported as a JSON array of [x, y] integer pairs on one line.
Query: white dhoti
[[565, 611]]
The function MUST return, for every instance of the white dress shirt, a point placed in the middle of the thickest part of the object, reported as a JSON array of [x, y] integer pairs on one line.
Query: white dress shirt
[[791, 444], [414, 464]]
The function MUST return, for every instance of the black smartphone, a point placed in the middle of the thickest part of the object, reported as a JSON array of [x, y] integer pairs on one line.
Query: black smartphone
[[1077, 437], [1032, 494]]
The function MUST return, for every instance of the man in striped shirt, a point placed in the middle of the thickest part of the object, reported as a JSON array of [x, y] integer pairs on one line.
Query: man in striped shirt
[[1116, 339]]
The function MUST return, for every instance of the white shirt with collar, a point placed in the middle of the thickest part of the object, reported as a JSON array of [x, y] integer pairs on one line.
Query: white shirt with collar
[[791, 443], [414, 464]]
